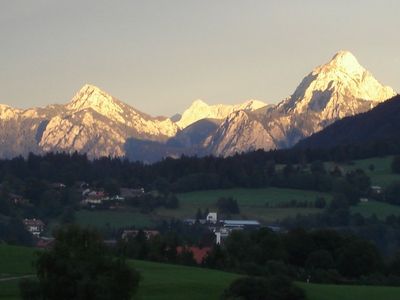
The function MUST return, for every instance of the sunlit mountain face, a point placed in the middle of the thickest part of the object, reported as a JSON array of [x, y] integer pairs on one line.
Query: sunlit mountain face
[[93, 122], [339, 88], [200, 110], [98, 124]]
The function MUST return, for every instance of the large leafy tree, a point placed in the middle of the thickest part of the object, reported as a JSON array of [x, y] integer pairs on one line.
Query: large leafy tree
[[80, 267], [359, 258]]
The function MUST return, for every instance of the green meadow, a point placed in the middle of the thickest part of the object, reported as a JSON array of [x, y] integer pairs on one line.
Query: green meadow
[[108, 219], [349, 292], [380, 209], [377, 168], [164, 281], [263, 204], [114, 219]]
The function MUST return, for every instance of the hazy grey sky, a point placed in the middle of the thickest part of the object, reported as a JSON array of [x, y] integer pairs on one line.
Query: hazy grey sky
[[159, 56]]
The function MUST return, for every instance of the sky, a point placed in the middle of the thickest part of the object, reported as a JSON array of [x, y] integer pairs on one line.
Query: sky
[[161, 55]]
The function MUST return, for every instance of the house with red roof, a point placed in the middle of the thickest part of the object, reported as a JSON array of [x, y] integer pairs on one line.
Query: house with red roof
[[198, 253]]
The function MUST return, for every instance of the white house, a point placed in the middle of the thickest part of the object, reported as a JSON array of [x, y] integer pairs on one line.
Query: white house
[[34, 226], [376, 189], [212, 217]]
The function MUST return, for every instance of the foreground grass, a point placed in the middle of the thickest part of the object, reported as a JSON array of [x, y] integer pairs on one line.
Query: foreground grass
[[9, 290], [164, 281], [159, 281], [349, 292], [15, 261]]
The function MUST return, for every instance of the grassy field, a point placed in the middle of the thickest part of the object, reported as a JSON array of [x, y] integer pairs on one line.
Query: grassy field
[[159, 281], [380, 209], [381, 173], [15, 261], [163, 281], [250, 197], [342, 292], [9, 290], [113, 219], [260, 204]]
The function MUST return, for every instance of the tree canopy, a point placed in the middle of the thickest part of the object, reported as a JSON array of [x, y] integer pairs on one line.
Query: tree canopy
[[80, 267]]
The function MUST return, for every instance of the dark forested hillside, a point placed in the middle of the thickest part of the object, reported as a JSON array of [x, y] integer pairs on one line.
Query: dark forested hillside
[[379, 124]]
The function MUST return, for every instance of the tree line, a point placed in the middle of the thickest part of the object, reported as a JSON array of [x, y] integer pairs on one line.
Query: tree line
[[319, 256], [250, 170]]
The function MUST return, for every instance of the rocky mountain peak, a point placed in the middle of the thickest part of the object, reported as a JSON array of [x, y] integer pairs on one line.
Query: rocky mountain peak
[[90, 96], [199, 103], [336, 89], [251, 105], [345, 61], [200, 110], [96, 123], [7, 112]]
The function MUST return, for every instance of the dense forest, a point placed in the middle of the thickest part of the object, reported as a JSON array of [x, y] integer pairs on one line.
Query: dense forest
[[254, 169]]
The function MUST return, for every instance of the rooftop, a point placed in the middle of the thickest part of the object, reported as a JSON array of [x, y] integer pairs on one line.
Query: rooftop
[[241, 222]]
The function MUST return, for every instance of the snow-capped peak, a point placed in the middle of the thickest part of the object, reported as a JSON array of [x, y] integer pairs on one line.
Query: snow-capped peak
[[336, 89], [200, 110], [90, 96], [198, 102], [7, 112], [250, 105], [346, 62]]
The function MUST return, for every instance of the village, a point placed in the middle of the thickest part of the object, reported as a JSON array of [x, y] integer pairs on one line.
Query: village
[[98, 199]]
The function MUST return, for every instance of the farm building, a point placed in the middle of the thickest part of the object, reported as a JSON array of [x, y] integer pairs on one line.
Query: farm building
[[34, 226], [245, 224], [212, 217], [376, 189]]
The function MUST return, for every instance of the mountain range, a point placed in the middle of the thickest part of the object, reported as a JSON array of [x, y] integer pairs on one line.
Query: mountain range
[[340, 88], [98, 124]]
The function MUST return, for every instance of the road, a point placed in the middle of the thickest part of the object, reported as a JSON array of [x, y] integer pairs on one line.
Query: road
[[16, 277]]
